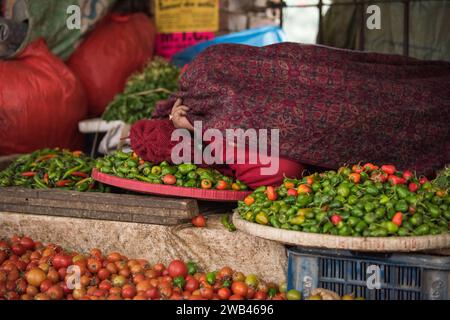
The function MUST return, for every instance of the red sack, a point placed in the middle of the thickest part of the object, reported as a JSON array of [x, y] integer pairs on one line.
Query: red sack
[[41, 102], [118, 47]]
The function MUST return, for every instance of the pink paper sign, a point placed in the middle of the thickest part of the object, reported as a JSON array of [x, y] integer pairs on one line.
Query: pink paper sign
[[167, 44]]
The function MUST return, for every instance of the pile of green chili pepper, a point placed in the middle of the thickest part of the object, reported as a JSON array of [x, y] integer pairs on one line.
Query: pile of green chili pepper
[[142, 91], [131, 166], [367, 201], [52, 168]]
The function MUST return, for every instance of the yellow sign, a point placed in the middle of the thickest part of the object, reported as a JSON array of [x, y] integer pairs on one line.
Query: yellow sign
[[187, 15]]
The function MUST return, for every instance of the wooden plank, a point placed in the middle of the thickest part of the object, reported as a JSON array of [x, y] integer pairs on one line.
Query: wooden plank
[[90, 214], [97, 197], [103, 206]]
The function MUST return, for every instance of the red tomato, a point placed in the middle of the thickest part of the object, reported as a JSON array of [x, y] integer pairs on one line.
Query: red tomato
[[105, 285], [303, 188], [249, 200], [55, 292], [45, 285], [370, 167], [292, 192], [397, 219], [169, 179], [239, 288], [206, 184], [225, 273], [394, 180], [61, 261], [191, 285], [152, 293], [199, 221], [207, 293], [408, 175], [354, 177], [166, 291], [413, 187], [357, 168], [335, 219], [388, 168], [53, 275], [271, 193], [224, 293], [177, 268], [103, 274], [222, 185], [27, 243], [259, 295], [114, 256], [129, 291], [18, 249], [250, 293], [236, 297], [379, 177], [423, 180], [94, 265]]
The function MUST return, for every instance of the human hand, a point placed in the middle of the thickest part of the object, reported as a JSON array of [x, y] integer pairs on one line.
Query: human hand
[[178, 116]]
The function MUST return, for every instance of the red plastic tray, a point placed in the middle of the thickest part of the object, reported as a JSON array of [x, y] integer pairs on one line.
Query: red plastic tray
[[161, 189]]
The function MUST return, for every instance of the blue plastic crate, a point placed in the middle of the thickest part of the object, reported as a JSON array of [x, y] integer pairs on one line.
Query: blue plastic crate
[[368, 275]]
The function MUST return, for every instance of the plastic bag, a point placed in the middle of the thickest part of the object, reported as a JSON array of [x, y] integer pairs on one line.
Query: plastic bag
[[118, 47], [41, 102]]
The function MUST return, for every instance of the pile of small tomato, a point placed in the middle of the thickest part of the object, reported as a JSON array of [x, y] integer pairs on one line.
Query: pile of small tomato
[[31, 271], [368, 201]]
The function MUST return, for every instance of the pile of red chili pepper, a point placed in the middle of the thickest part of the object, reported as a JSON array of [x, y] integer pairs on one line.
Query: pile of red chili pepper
[[51, 168]]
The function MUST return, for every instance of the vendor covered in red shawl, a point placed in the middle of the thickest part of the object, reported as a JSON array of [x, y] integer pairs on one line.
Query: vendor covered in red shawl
[[331, 106]]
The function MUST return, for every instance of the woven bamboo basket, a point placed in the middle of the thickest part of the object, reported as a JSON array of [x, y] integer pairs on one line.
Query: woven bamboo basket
[[376, 244]]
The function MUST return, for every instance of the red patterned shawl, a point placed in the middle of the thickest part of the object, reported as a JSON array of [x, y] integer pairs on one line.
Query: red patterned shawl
[[332, 106]]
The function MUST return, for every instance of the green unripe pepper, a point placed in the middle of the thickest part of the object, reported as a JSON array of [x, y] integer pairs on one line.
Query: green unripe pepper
[[274, 222], [186, 168], [416, 219], [211, 277], [433, 210], [357, 212], [361, 226], [369, 218], [343, 190], [345, 231], [402, 232], [327, 227], [262, 218], [378, 233], [297, 220], [156, 170], [391, 227], [353, 221], [192, 175], [190, 183], [423, 229], [168, 170], [369, 206], [402, 206]]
